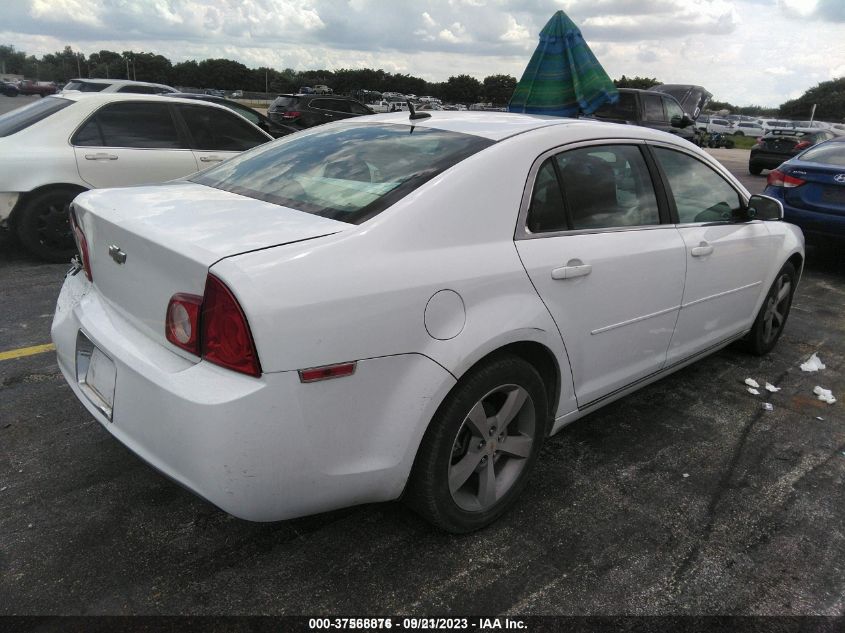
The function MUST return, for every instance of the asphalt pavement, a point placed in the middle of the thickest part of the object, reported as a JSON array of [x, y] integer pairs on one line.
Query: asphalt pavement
[[684, 498]]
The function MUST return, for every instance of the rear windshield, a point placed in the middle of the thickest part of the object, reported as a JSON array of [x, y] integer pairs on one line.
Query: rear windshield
[[283, 102], [86, 86], [20, 119], [348, 173], [625, 108], [829, 153]]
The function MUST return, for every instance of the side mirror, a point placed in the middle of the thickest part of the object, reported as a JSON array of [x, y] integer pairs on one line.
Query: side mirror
[[764, 208], [681, 121]]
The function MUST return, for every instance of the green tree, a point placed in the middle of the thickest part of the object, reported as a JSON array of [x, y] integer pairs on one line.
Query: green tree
[[828, 96], [499, 88], [462, 89], [643, 83]]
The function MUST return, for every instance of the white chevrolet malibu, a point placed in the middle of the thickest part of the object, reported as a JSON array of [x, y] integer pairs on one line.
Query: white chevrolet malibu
[[406, 307]]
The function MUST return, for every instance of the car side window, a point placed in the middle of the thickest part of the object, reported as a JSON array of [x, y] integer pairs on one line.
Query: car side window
[[700, 193], [141, 90], [653, 108], [249, 115], [357, 108], [321, 104], [139, 125], [607, 186], [219, 130], [672, 108], [337, 105], [546, 212]]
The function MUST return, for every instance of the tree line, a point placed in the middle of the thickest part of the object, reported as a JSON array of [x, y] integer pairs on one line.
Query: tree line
[[226, 74]]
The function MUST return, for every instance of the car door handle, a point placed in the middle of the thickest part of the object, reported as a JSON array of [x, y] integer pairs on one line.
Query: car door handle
[[573, 268], [100, 156], [211, 159], [701, 250]]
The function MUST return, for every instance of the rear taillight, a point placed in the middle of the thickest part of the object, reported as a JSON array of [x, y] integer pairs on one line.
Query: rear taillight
[[225, 336], [293, 114], [81, 243], [182, 323], [802, 145], [777, 178]]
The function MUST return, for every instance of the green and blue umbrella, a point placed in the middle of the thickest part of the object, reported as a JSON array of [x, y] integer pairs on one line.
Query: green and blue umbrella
[[563, 78]]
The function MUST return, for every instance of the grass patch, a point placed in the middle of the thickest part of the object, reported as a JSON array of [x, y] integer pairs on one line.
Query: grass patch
[[743, 142]]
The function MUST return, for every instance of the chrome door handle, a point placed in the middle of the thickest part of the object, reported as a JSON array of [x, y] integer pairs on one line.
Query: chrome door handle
[[701, 250], [573, 268], [100, 156], [211, 159]]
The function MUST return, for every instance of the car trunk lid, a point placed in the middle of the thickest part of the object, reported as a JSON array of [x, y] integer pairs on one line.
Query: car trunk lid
[[148, 243], [821, 192]]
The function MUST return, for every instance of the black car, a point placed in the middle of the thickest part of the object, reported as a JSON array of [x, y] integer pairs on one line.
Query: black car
[[307, 110], [8, 89], [649, 109], [273, 129], [780, 145]]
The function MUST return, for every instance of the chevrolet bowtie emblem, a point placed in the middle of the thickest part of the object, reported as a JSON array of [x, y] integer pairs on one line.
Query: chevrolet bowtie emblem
[[116, 254]]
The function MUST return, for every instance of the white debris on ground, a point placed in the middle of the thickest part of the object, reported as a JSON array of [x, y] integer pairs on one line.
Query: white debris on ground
[[767, 406], [824, 394], [753, 391], [686, 475], [752, 383], [771, 387], [813, 363], [818, 417]]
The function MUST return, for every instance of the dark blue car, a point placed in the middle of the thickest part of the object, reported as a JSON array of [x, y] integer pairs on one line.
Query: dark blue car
[[811, 187]]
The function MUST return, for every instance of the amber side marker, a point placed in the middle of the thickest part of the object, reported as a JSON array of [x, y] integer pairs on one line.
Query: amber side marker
[[27, 351]]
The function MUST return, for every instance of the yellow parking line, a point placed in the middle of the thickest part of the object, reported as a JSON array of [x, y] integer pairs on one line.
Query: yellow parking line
[[27, 351]]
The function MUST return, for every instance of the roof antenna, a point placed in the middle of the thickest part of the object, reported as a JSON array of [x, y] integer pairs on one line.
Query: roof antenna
[[414, 113]]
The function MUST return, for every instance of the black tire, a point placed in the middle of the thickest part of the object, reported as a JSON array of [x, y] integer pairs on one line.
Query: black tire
[[770, 321], [729, 144], [453, 443], [739, 133], [754, 170], [43, 224]]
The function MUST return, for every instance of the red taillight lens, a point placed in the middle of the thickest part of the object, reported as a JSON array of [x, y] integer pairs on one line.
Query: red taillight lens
[[81, 244], [226, 339], [182, 323], [802, 145], [779, 179], [293, 114]]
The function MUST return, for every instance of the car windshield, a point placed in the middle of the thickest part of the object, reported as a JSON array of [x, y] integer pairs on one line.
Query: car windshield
[[21, 118], [827, 153], [86, 86], [348, 173], [625, 108]]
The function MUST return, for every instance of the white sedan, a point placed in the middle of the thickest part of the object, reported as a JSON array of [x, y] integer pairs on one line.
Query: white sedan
[[59, 146], [405, 306]]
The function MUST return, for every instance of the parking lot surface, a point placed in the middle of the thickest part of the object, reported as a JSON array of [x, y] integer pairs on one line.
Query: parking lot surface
[[684, 498]]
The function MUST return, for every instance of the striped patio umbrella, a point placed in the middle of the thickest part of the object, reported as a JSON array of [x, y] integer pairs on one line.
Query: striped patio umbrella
[[563, 78]]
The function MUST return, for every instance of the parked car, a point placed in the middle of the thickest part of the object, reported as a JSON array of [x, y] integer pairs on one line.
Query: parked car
[[412, 306], [57, 147], [692, 99], [116, 85], [238, 94], [780, 145], [322, 90], [215, 93], [8, 89], [649, 109], [40, 88], [302, 111], [748, 128], [720, 126], [811, 187], [253, 116]]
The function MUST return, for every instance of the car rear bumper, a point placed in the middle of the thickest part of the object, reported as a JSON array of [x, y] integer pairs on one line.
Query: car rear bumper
[[262, 449], [812, 223], [768, 160]]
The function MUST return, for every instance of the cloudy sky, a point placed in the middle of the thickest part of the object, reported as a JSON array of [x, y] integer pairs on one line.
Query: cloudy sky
[[744, 51]]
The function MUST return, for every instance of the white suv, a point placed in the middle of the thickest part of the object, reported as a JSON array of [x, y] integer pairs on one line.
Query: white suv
[[57, 147], [116, 85]]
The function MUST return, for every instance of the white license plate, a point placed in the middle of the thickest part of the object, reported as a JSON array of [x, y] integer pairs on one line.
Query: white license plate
[[95, 374]]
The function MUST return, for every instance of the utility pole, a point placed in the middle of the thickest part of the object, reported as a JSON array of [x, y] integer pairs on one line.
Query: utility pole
[[266, 89], [78, 69], [127, 68]]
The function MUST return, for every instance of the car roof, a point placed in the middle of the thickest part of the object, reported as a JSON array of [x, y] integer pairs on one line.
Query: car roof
[[497, 126], [117, 82]]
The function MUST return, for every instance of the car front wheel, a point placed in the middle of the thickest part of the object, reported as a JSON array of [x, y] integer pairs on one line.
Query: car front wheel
[[770, 321], [478, 451]]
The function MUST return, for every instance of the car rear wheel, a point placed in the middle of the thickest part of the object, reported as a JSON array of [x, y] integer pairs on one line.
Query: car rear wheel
[[754, 170], [43, 225], [771, 320], [480, 447]]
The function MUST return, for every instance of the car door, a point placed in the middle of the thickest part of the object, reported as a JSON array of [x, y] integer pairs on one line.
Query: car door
[[217, 134], [606, 262], [726, 260], [131, 143]]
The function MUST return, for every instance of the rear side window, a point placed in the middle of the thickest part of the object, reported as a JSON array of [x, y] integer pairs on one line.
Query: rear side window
[[140, 90], [284, 102], [348, 173], [830, 153], [218, 130], [21, 118], [357, 108], [546, 212], [625, 108], [653, 108], [672, 108], [140, 125], [700, 194]]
